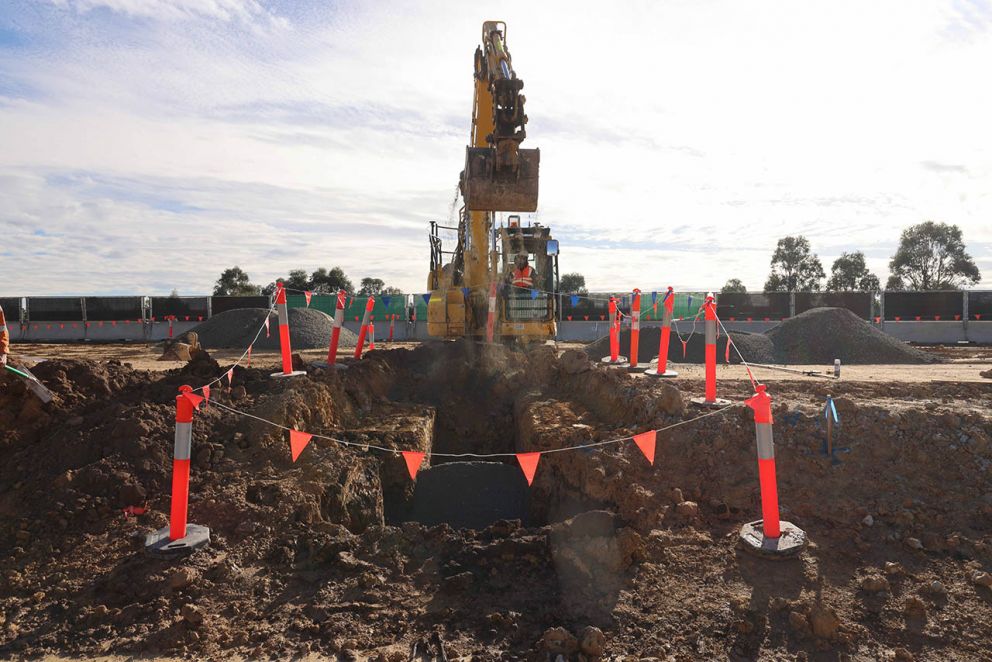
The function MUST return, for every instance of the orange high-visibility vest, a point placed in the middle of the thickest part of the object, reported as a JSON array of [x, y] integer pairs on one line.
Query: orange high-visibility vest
[[523, 277], [4, 336]]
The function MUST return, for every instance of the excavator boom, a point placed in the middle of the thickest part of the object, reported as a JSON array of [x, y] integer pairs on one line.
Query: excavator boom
[[499, 175]]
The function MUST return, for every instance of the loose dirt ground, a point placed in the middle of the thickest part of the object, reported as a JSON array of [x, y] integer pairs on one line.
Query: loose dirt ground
[[314, 558]]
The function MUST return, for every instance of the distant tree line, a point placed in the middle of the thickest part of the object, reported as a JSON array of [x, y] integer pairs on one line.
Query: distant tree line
[[930, 256], [235, 282]]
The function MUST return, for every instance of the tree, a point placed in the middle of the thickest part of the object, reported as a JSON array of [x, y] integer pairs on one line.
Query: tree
[[931, 256], [297, 280], [174, 294], [895, 284], [391, 291], [323, 281], [573, 283], [794, 267], [234, 282], [849, 273], [733, 286], [371, 286]]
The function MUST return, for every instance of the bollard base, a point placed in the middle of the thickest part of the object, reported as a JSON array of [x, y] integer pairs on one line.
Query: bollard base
[[295, 373], [637, 367], [653, 370], [158, 544], [621, 361], [791, 541], [719, 403]]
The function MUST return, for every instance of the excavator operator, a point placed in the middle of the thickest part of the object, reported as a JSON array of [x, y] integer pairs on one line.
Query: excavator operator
[[523, 275]]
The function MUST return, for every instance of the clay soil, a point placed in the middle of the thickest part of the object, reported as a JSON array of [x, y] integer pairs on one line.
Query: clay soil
[[318, 558]]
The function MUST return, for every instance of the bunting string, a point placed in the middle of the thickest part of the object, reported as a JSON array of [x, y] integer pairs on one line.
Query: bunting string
[[363, 445]]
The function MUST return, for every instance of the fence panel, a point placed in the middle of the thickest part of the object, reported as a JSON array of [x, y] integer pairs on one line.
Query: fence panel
[[194, 308], [55, 309], [220, 305], [756, 305], [979, 305], [11, 309], [105, 309], [928, 306]]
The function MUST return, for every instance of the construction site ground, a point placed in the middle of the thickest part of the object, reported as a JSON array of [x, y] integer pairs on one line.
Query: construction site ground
[[615, 559]]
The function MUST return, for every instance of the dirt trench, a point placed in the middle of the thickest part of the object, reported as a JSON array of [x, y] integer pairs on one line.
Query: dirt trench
[[321, 557]]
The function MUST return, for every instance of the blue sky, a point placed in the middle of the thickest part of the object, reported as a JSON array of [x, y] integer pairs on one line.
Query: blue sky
[[146, 145]]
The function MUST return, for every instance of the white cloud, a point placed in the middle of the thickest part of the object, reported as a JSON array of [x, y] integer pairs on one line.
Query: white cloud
[[679, 140]]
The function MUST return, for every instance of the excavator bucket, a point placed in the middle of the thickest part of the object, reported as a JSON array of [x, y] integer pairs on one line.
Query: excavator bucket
[[487, 188]]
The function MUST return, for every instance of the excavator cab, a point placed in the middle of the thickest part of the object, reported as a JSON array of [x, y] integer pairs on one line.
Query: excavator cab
[[494, 182], [528, 313]]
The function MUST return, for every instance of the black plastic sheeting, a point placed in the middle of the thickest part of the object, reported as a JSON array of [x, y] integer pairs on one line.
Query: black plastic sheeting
[[11, 308], [757, 305], [106, 309], [55, 309], [928, 306], [193, 308], [979, 305], [859, 303], [220, 305]]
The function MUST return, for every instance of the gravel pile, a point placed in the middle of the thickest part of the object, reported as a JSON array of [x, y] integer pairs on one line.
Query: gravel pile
[[234, 329], [755, 347], [821, 335]]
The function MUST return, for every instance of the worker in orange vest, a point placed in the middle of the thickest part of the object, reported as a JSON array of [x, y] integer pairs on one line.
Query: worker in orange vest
[[4, 339], [523, 275]]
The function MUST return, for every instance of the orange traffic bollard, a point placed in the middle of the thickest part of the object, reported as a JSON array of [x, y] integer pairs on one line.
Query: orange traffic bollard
[[284, 346], [635, 332], [709, 309], [332, 352], [769, 536], [363, 330], [180, 537], [491, 320], [660, 365], [614, 358]]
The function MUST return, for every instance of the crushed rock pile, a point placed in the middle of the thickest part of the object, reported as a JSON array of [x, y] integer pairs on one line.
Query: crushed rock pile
[[234, 329], [821, 335], [755, 347]]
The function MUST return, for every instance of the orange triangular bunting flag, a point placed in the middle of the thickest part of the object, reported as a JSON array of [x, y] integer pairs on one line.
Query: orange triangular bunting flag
[[645, 441], [308, 295], [206, 394], [194, 399], [528, 462], [297, 442], [413, 461], [230, 376]]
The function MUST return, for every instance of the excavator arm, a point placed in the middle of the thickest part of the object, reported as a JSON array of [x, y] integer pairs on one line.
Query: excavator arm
[[499, 175]]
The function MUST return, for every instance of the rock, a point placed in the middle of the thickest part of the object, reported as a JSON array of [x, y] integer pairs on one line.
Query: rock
[[460, 582], [913, 607], [799, 623], [981, 578], [677, 496], [914, 543], [875, 584], [670, 399], [689, 509], [868, 520], [937, 588], [180, 578], [574, 361], [592, 642], [559, 641], [893, 568], [132, 495], [192, 614], [824, 621], [902, 655], [238, 392]]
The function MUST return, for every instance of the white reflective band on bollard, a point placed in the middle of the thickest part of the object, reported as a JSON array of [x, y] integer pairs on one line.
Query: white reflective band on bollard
[[184, 441], [766, 447]]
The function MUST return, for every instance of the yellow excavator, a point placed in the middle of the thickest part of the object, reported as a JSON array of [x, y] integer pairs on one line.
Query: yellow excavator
[[499, 176]]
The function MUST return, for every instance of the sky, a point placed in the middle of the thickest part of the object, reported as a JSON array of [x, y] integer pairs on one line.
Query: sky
[[146, 145]]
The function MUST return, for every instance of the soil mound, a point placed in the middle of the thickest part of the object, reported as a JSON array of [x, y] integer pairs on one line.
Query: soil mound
[[821, 335], [755, 347], [235, 329]]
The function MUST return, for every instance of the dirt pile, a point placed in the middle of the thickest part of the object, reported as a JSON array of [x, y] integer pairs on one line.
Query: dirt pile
[[755, 347], [234, 329], [821, 335], [317, 557]]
